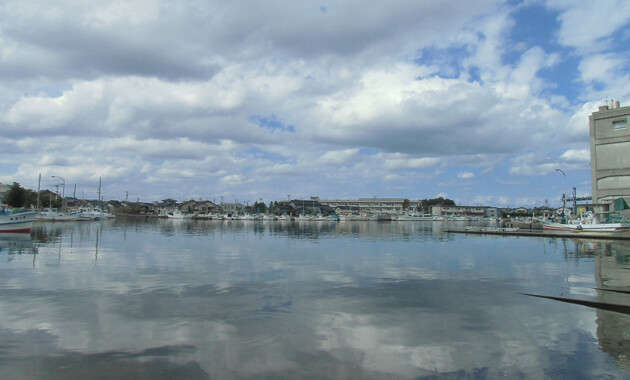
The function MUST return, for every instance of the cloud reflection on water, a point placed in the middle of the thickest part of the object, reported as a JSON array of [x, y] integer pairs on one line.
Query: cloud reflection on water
[[296, 301]]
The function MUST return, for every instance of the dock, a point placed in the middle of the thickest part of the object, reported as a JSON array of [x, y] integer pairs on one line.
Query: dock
[[504, 231]]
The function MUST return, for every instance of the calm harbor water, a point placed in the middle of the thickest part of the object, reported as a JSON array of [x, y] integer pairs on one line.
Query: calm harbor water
[[147, 298]]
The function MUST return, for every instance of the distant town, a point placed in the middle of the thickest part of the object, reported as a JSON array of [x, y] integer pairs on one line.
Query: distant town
[[314, 206]]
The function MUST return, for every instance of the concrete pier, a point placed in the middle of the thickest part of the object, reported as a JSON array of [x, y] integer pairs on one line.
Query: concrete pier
[[544, 233]]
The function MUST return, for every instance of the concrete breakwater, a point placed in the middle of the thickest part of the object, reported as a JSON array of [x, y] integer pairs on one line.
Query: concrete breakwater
[[523, 225], [515, 231]]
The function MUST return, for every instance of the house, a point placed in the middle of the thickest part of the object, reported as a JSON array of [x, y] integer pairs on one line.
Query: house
[[165, 206], [46, 198], [522, 211], [199, 207], [232, 208]]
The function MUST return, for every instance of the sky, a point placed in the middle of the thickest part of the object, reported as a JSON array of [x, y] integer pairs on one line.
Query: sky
[[476, 101]]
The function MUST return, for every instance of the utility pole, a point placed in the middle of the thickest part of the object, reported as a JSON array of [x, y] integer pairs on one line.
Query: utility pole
[[574, 202], [56, 186], [564, 194], [63, 197], [38, 185]]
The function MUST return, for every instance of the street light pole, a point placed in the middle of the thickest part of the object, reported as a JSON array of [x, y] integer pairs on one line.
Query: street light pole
[[564, 194], [574, 201], [63, 191]]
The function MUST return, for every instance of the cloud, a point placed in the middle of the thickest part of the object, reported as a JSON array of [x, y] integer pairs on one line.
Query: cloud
[[465, 175], [588, 26], [338, 157], [401, 161], [574, 155], [394, 99]]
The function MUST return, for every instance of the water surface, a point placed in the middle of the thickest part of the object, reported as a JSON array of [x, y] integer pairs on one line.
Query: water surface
[[149, 298]]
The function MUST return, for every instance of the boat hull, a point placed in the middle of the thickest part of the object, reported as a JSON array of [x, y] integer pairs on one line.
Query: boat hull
[[17, 223], [588, 227]]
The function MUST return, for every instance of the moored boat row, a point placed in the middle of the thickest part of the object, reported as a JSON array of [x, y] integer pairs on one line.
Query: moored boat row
[[83, 214]]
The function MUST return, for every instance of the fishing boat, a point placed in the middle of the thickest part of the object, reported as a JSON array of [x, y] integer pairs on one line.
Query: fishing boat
[[587, 223], [15, 222], [54, 215], [416, 216], [587, 227], [95, 213], [178, 215]]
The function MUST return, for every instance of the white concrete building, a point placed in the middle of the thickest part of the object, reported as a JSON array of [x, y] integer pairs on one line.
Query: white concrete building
[[470, 211], [375, 205], [610, 153]]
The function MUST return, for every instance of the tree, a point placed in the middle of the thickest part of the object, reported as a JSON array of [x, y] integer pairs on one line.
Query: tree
[[273, 207], [427, 203], [260, 207], [15, 196], [31, 197]]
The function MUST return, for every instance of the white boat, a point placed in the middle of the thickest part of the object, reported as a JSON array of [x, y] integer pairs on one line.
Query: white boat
[[325, 218], [587, 223], [304, 218], [415, 216], [54, 215], [578, 226], [178, 215], [17, 222], [98, 213], [94, 214], [228, 216]]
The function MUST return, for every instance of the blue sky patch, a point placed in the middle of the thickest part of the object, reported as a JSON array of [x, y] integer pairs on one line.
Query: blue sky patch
[[448, 61], [272, 123], [9, 168], [261, 154], [535, 26], [563, 75], [53, 91]]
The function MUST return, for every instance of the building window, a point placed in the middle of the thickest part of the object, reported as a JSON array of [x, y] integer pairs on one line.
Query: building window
[[620, 124]]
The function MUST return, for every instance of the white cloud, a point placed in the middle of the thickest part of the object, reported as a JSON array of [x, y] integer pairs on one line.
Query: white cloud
[[587, 25], [234, 179], [465, 175], [600, 67], [575, 155], [402, 161], [394, 99], [338, 157]]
